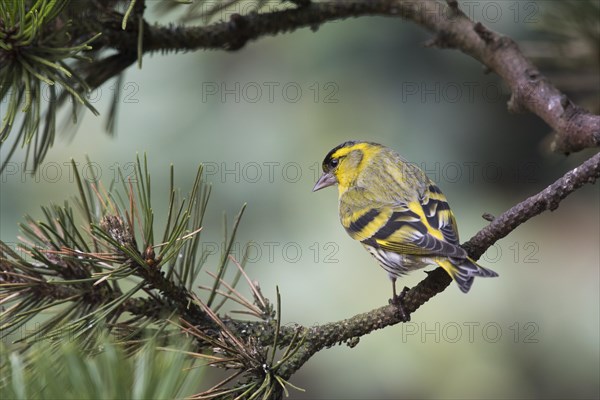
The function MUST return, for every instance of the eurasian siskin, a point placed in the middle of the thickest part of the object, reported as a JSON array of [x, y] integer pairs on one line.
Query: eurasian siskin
[[398, 214]]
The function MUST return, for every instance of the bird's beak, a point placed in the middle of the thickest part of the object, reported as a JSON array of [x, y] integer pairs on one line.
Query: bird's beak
[[327, 179]]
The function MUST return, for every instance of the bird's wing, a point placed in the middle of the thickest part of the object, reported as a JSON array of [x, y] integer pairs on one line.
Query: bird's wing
[[424, 227], [439, 216]]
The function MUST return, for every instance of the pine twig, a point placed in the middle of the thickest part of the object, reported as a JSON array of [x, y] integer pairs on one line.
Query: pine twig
[[327, 335]]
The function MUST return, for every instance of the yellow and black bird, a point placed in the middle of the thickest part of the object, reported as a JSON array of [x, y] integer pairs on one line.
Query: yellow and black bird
[[398, 214]]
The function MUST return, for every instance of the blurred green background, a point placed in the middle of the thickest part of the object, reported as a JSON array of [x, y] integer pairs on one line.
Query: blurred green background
[[263, 118]]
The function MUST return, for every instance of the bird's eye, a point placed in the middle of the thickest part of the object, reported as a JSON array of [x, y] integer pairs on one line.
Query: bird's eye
[[333, 162]]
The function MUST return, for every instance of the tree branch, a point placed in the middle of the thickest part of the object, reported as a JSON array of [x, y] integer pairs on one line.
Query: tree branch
[[349, 330], [257, 336], [575, 128]]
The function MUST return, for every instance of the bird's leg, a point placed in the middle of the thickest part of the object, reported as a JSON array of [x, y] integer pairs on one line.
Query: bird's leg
[[396, 300]]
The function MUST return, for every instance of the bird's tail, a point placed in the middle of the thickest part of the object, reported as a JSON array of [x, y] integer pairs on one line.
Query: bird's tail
[[463, 271]]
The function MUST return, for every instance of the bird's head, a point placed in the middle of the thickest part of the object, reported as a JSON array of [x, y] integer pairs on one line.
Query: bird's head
[[344, 163]]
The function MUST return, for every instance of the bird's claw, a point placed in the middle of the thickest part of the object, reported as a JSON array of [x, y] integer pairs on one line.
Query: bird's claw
[[397, 301]]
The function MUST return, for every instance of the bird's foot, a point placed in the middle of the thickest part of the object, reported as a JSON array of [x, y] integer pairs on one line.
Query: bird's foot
[[397, 301]]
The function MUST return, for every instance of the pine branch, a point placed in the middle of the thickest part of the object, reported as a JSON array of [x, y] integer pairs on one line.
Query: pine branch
[[79, 265], [84, 274], [37, 52], [349, 330], [576, 129], [54, 60]]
